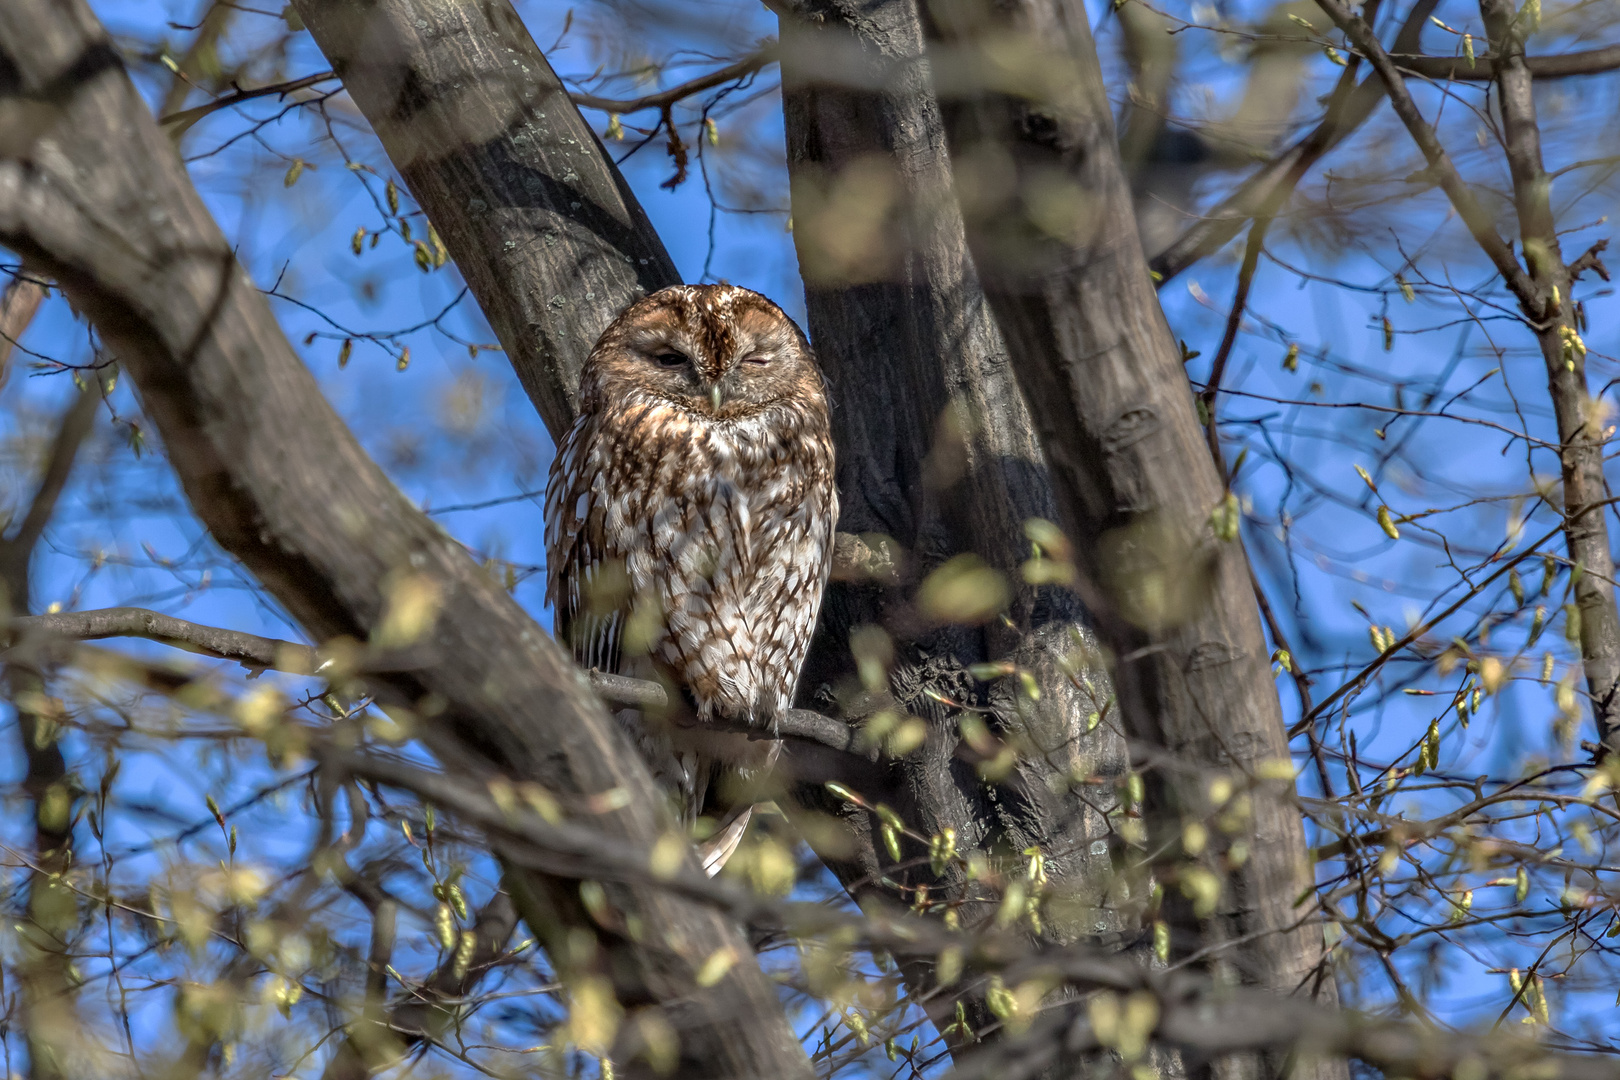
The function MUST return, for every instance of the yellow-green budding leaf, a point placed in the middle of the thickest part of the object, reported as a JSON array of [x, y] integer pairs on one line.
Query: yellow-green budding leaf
[[1387, 523], [843, 792]]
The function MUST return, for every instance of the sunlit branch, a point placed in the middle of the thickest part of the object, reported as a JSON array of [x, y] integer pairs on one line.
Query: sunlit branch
[[663, 99]]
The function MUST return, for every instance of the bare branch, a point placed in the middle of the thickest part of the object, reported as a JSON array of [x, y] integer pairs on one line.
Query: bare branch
[[1445, 172], [250, 650], [1483, 69], [18, 307], [1268, 189], [186, 118], [70, 434], [663, 99]]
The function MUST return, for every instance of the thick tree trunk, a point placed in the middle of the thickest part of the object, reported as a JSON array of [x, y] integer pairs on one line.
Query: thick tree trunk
[[1057, 248], [92, 196], [937, 452]]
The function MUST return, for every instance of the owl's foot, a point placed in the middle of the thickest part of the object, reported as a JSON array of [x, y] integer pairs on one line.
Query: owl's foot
[[751, 720]]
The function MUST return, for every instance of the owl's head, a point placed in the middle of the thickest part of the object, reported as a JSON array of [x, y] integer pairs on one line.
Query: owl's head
[[715, 350]]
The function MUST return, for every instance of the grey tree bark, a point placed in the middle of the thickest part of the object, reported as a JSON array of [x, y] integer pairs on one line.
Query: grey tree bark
[[937, 452], [1134, 480], [91, 196]]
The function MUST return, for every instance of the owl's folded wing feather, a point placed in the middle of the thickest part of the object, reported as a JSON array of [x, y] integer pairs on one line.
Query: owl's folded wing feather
[[578, 557]]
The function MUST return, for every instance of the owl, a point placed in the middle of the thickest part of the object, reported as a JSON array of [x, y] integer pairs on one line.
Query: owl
[[689, 532]]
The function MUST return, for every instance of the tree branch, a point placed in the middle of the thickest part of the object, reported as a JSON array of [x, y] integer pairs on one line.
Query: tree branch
[[18, 306], [1451, 182], [70, 434], [1268, 189], [663, 99], [1195, 1013], [1483, 69], [261, 653], [183, 120]]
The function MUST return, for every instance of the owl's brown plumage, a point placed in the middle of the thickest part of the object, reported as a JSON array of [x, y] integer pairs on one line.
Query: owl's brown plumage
[[689, 525]]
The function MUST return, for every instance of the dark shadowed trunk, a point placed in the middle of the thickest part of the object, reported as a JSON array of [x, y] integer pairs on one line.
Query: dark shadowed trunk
[[1057, 248], [937, 453]]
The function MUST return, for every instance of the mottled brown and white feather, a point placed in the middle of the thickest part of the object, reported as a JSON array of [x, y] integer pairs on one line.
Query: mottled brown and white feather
[[689, 523]]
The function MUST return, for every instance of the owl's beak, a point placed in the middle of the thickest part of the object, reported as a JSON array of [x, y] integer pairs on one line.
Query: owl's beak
[[715, 396]]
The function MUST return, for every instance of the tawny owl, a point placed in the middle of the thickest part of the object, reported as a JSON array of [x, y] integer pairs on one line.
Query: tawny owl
[[689, 529]]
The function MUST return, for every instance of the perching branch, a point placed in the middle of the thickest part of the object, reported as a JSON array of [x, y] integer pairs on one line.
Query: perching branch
[[260, 653]]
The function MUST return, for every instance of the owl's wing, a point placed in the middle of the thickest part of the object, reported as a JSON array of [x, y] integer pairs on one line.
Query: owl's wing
[[577, 555]]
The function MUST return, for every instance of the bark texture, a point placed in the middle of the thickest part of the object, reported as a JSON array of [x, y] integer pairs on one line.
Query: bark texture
[[1134, 480], [937, 452], [92, 196]]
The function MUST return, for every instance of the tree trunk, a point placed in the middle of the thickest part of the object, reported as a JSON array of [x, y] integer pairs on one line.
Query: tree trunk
[[938, 453], [92, 196], [1579, 434], [1057, 249]]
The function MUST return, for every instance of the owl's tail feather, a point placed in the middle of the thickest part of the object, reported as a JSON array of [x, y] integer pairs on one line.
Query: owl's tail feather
[[714, 851]]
